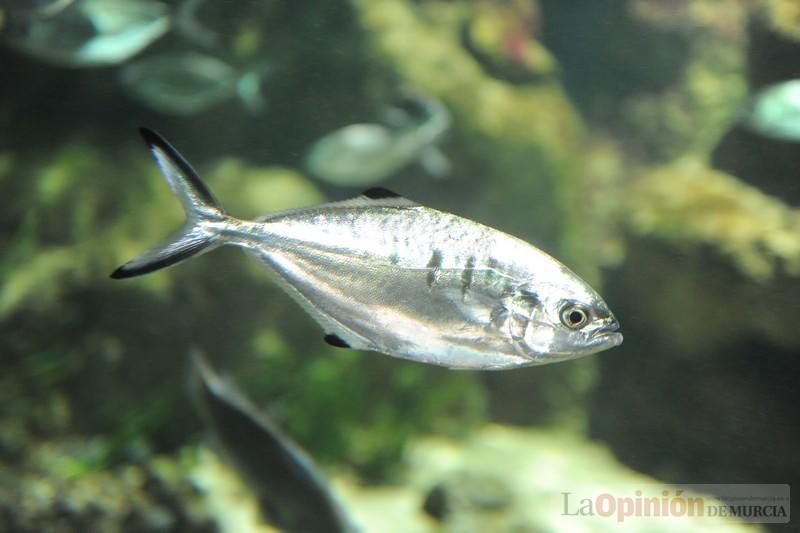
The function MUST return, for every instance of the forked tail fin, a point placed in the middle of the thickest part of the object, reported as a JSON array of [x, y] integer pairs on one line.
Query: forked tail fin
[[197, 235]]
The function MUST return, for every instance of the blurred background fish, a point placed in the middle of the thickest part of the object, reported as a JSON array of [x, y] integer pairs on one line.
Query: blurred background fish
[[187, 21], [292, 492], [87, 33], [775, 111], [33, 8], [368, 153], [188, 83]]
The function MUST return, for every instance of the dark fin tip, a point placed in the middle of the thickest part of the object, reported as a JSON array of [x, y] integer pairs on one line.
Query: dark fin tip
[[150, 136], [125, 271], [159, 262], [335, 340], [120, 273], [379, 193], [154, 139]]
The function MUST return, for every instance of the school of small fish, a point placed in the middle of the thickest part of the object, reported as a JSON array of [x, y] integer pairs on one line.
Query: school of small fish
[[383, 273]]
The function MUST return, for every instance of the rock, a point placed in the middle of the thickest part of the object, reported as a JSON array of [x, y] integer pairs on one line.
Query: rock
[[508, 480], [58, 488]]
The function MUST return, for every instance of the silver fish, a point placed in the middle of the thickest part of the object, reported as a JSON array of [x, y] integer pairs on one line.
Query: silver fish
[[380, 272], [188, 83], [89, 33], [775, 111], [188, 23], [366, 154], [33, 8], [291, 490]]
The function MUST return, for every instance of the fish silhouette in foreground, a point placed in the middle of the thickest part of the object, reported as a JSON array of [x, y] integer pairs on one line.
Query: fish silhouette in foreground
[[380, 272], [366, 154], [291, 491]]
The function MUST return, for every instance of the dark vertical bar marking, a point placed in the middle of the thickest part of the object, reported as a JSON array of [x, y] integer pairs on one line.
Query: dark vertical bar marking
[[466, 275], [529, 298], [434, 267]]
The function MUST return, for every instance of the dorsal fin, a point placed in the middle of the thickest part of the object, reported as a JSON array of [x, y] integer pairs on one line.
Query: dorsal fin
[[379, 196], [375, 197], [379, 193]]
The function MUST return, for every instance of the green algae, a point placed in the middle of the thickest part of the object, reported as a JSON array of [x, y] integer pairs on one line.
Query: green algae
[[689, 203]]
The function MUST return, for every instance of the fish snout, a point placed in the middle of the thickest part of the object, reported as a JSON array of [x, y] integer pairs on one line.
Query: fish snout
[[607, 333]]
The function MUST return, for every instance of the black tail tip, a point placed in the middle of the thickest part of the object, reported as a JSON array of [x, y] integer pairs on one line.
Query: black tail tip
[[122, 273], [149, 136]]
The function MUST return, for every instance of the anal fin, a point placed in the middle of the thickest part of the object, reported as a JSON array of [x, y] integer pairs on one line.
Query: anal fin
[[337, 341]]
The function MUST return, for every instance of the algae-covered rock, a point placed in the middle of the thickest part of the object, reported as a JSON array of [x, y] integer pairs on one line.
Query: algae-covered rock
[[665, 77], [689, 203], [507, 480], [783, 17], [500, 479], [57, 485], [710, 270], [502, 36]]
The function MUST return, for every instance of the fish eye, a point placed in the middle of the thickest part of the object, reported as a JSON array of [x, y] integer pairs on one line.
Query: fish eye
[[574, 316]]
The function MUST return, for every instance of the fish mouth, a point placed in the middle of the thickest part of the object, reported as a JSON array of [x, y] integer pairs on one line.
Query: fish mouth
[[607, 336]]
